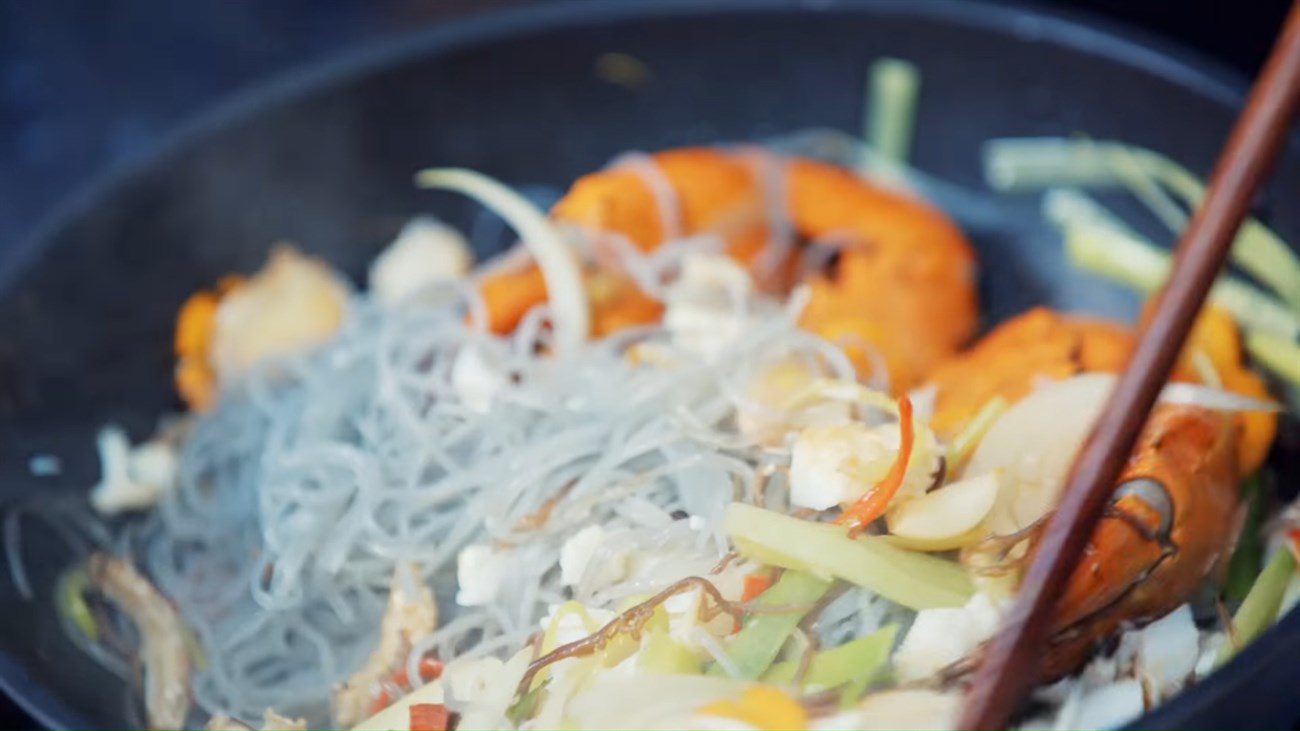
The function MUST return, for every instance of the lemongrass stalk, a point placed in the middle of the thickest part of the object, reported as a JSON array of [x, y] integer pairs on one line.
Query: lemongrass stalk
[[891, 107], [1279, 355], [1260, 607], [1094, 244], [910, 578], [1022, 164]]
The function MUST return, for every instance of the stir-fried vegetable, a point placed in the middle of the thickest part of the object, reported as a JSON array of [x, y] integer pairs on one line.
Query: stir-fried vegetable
[[969, 437], [1243, 568], [858, 661], [70, 601], [872, 505], [915, 580], [1095, 242], [757, 644], [1032, 163], [1261, 605], [891, 107], [560, 269], [632, 622]]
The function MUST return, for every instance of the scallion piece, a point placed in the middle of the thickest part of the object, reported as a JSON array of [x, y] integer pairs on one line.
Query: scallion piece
[[891, 107], [71, 602], [1096, 242], [1280, 355], [857, 661], [756, 646], [1023, 164], [913, 579], [1260, 608], [965, 442], [1243, 568]]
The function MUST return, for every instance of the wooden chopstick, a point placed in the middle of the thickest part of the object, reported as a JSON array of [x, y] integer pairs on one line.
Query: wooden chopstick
[[1010, 667]]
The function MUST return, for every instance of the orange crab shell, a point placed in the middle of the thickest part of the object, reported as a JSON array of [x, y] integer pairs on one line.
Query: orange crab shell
[[904, 286], [1042, 343], [1135, 571]]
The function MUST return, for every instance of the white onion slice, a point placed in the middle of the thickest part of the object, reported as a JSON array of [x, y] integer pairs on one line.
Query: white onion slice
[[560, 268], [1215, 399], [1035, 441]]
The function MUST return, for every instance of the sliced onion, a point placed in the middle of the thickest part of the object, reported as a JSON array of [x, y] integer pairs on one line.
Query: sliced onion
[[1215, 399], [560, 268], [1035, 441]]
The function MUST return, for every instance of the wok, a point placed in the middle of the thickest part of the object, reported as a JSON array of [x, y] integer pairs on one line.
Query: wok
[[324, 158]]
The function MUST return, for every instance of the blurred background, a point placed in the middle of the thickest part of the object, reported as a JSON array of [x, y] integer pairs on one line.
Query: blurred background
[[86, 85]]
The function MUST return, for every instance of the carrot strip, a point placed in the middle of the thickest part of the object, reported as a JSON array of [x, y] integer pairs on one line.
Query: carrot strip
[[872, 505], [429, 717], [755, 584]]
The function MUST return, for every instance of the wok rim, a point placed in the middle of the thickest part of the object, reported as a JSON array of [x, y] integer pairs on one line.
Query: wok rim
[[1078, 31]]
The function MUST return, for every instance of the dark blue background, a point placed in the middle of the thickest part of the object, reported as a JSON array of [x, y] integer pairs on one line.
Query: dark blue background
[[86, 84]]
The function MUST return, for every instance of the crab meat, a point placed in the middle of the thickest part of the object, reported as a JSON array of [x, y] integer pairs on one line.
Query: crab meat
[[132, 478], [941, 637], [294, 303], [835, 464], [706, 305], [425, 253]]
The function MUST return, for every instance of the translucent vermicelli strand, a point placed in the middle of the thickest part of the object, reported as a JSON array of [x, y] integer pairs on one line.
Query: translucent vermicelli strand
[[313, 479]]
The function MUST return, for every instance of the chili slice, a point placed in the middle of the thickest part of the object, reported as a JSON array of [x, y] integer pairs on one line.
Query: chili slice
[[872, 505], [429, 717]]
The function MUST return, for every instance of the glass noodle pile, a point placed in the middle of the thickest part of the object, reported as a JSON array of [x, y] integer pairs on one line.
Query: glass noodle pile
[[386, 510]]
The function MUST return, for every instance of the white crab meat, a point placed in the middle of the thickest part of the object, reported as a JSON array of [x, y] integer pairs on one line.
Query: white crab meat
[[480, 570], [1109, 706], [706, 305], [777, 403], [477, 378], [483, 688], [940, 637], [132, 478], [1167, 650], [293, 304], [425, 253], [835, 464], [576, 553]]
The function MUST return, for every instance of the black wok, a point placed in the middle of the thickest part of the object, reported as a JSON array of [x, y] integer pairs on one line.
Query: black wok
[[324, 158]]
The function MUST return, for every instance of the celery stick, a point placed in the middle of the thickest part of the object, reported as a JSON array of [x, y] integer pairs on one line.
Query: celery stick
[[1246, 559], [891, 107], [758, 643], [1144, 267], [973, 432], [1034, 163], [857, 660], [910, 578], [1279, 355], [1259, 609]]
